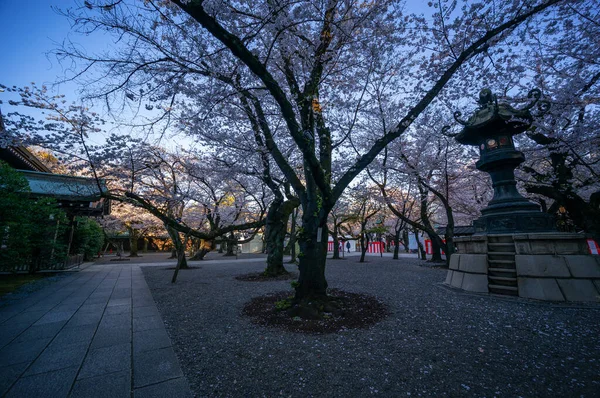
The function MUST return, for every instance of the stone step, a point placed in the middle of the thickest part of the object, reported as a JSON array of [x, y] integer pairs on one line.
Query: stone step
[[503, 270], [501, 253], [501, 261], [505, 279], [502, 267], [500, 239], [505, 290], [501, 257], [501, 247]]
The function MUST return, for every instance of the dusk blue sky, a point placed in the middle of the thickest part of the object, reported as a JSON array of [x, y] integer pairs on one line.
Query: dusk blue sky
[[29, 30]]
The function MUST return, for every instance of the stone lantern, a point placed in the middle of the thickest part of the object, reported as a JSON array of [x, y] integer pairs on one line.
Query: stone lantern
[[515, 249], [491, 128]]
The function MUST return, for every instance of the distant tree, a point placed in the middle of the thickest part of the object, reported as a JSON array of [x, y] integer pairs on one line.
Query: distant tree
[[88, 238], [32, 230]]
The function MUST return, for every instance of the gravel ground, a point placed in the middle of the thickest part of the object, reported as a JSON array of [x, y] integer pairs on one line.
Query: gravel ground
[[436, 342]]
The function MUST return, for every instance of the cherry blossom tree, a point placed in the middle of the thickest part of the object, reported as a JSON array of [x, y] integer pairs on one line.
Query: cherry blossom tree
[[307, 67]]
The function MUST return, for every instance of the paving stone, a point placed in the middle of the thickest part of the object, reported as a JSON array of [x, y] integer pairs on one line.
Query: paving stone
[[110, 336], [70, 307], [118, 309], [74, 334], [147, 323], [143, 301], [85, 318], [149, 340], [27, 317], [96, 301], [59, 356], [579, 290], [172, 388], [25, 351], [113, 385], [119, 301], [106, 360], [4, 315], [9, 331], [45, 385], [52, 316], [121, 294], [140, 312], [115, 320], [10, 374], [37, 332], [152, 367]]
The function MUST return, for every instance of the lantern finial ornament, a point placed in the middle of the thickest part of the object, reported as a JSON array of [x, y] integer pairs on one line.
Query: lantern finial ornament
[[486, 98]]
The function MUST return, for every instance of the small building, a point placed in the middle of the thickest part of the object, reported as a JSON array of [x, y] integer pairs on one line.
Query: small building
[[77, 196]]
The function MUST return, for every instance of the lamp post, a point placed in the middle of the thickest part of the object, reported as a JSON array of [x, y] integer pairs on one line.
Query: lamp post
[[491, 128]]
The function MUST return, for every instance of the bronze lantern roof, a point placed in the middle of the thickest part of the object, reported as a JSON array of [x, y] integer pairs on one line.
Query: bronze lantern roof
[[496, 118]]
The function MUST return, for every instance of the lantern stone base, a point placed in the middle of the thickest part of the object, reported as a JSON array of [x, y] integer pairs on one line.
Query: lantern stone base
[[541, 266], [519, 221]]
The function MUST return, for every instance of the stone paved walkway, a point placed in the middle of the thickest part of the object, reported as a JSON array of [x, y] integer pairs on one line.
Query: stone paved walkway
[[94, 333]]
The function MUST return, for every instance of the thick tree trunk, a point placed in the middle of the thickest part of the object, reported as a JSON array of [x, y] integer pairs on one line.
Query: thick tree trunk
[[364, 244], [405, 240], [181, 262], [200, 254], [420, 248], [396, 244], [133, 243], [336, 243], [275, 236], [450, 249], [264, 248], [275, 229], [312, 257], [145, 248], [231, 243], [179, 248], [436, 250], [292, 243]]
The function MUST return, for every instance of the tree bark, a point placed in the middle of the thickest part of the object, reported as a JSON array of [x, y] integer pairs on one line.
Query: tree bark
[[436, 250], [181, 262], [133, 242], [200, 254], [364, 243], [397, 243], [275, 229], [179, 248], [312, 257], [420, 246], [293, 238], [336, 242], [231, 243]]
